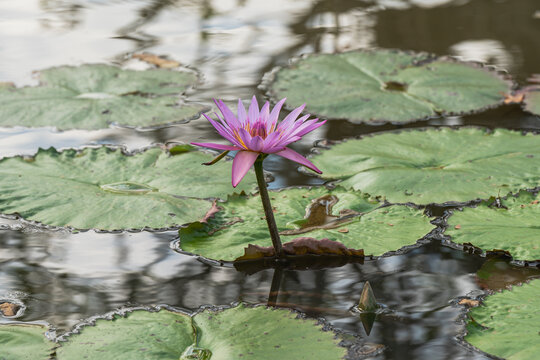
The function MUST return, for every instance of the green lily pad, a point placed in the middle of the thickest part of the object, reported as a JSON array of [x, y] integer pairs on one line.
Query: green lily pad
[[104, 188], [94, 96], [513, 228], [507, 324], [349, 217], [435, 165], [386, 86], [236, 333], [24, 342], [140, 335]]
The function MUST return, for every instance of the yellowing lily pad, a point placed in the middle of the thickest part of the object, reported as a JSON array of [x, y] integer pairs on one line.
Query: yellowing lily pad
[[349, 217], [435, 165], [107, 189], [386, 86], [95, 96]]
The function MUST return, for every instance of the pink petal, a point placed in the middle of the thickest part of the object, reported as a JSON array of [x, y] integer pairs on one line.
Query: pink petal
[[253, 114], [242, 115], [241, 164], [245, 136], [222, 131], [257, 144], [270, 141], [308, 126], [217, 146], [289, 119], [265, 112], [275, 111], [296, 157], [227, 113], [274, 115]]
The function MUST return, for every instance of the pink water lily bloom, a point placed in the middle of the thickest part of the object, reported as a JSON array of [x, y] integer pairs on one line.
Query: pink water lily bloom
[[258, 132]]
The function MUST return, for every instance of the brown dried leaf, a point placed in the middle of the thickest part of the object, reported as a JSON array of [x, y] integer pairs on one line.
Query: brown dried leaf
[[9, 309], [469, 302], [156, 60], [319, 216], [515, 98], [301, 246]]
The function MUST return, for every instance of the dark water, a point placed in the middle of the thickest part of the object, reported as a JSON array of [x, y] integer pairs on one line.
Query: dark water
[[63, 278]]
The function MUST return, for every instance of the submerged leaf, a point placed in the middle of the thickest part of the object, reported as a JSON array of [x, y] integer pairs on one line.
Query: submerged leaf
[[376, 230], [367, 302], [95, 96], [386, 86], [435, 165], [497, 273], [106, 189], [513, 228], [508, 323]]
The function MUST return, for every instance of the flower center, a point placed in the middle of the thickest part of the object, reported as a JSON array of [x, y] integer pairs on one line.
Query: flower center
[[258, 129]]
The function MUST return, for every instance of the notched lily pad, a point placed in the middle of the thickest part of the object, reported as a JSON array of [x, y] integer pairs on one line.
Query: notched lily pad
[[511, 226], [108, 189], [435, 165], [354, 219], [383, 85], [95, 96], [507, 323], [241, 332]]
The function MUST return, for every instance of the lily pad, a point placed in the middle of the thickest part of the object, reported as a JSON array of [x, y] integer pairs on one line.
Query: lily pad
[[24, 342], [236, 333], [511, 227], [507, 324], [435, 165], [386, 86], [105, 188], [349, 217], [94, 96]]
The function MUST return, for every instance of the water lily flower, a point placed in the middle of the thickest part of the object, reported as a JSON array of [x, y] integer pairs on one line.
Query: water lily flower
[[257, 132]]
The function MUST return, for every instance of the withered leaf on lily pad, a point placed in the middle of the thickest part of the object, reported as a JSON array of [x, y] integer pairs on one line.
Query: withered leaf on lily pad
[[312, 212], [95, 96], [301, 246]]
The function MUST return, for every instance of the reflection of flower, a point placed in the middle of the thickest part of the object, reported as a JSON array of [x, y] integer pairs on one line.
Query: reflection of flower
[[257, 132]]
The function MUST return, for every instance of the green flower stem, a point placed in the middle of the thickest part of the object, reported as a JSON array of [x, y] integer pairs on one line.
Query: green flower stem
[[269, 214]]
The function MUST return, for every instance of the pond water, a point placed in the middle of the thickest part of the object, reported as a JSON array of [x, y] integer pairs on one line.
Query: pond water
[[63, 277]]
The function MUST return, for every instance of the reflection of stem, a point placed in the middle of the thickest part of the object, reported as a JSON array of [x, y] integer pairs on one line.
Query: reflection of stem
[[269, 214], [274, 288]]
